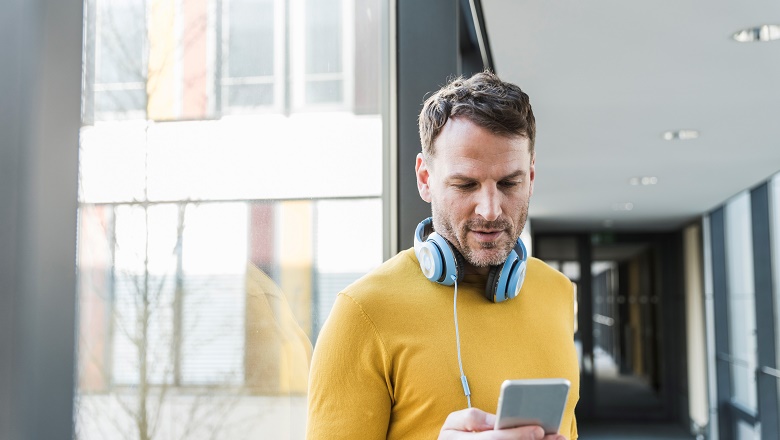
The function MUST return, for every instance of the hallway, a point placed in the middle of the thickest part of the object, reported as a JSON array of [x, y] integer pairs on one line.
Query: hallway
[[632, 431], [623, 396], [620, 398]]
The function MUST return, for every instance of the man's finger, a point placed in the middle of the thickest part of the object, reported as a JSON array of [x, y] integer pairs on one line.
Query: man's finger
[[469, 420]]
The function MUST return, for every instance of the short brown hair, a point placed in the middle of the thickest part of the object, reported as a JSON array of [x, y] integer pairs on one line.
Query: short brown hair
[[485, 100]]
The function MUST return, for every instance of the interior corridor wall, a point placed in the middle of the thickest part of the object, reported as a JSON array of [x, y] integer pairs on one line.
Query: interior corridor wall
[[635, 318], [642, 298], [695, 331]]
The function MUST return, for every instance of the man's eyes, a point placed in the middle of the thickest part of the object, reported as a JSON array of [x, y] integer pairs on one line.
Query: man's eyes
[[473, 185], [466, 186]]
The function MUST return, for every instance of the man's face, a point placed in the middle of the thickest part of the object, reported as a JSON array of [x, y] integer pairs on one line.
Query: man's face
[[479, 185]]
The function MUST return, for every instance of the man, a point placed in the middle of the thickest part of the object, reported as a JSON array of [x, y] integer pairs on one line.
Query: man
[[391, 359]]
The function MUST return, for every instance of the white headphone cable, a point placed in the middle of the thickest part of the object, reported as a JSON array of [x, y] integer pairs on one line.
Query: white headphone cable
[[463, 379]]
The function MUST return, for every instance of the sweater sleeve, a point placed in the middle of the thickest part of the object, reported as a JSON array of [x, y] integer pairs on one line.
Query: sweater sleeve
[[573, 431], [573, 434], [349, 386]]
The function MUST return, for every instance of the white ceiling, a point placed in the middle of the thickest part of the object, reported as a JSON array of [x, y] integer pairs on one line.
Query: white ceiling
[[607, 77]]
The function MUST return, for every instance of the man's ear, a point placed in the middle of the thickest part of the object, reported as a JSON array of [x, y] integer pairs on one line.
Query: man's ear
[[532, 175], [423, 177]]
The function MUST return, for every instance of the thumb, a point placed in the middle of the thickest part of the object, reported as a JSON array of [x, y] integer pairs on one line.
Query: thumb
[[490, 420], [469, 420]]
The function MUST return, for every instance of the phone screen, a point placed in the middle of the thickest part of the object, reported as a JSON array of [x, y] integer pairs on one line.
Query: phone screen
[[532, 402]]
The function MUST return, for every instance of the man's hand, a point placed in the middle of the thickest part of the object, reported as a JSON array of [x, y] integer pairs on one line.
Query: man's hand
[[475, 424]]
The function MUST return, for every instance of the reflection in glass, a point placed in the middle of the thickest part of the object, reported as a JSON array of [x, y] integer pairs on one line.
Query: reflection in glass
[[217, 222], [249, 57], [116, 43]]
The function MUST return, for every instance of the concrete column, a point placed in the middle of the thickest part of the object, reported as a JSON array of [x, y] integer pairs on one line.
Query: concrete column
[[40, 92]]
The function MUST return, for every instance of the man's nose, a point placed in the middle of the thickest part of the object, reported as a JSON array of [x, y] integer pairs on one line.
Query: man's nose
[[488, 204]]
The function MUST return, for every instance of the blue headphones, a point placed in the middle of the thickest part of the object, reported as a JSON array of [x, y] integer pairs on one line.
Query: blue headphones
[[441, 263]]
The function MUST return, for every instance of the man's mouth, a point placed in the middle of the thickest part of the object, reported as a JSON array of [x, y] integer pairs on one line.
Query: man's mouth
[[487, 235]]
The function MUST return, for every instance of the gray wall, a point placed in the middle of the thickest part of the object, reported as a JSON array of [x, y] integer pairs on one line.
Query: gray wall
[[427, 42], [40, 92]]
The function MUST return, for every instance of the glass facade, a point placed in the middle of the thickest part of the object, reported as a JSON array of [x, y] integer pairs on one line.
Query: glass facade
[[774, 221], [741, 296], [746, 347], [230, 186]]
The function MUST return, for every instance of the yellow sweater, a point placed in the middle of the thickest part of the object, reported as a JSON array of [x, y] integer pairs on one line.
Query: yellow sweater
[[385, 364]]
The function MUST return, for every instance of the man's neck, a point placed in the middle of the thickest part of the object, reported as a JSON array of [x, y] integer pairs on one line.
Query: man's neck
[[470, 269]]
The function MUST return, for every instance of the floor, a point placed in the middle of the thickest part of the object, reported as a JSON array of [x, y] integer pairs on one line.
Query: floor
[[620, 397], [630, 431]]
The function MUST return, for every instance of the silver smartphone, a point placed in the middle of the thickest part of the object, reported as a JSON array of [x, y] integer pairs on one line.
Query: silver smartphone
[[532, 402]]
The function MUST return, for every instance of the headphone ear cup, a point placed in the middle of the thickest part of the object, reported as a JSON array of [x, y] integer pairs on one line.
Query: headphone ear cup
[[505, 280], [516, 279], [430, 259], [439, 260], [502, 287], [460, 263], [429, 253], [451, 265], [492, 283]]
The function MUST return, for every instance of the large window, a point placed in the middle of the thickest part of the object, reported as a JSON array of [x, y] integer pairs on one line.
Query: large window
[[740, 236], [231, 188], [741, 297], [774, 222]]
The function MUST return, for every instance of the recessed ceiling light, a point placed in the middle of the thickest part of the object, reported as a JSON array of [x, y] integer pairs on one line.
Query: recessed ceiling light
[[766, 32], [628, 206], [682, 135], [644, 180]]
